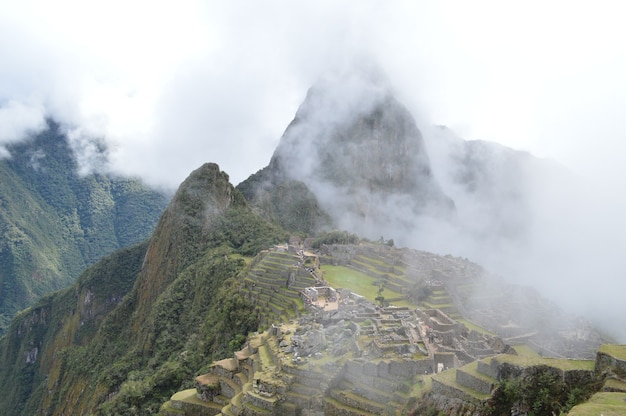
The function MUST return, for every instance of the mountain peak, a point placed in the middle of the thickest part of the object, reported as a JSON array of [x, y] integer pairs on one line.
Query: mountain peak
[[341, 95], [180, 233], [359, 153]]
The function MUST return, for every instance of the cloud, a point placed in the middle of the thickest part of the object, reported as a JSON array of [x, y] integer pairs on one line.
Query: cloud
[[170, 86], [18, 119]]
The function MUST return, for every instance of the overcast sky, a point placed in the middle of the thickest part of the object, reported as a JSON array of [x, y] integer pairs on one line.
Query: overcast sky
[[171, 85]]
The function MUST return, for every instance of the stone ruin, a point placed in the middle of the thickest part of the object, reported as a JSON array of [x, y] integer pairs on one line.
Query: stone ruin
[[344, 352]]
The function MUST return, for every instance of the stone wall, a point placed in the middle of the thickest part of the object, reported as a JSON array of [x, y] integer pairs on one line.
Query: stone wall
[[489, 368], [452, 392], [357, 402], [448, 359], [473, 382], [605, 361], [266, 403]]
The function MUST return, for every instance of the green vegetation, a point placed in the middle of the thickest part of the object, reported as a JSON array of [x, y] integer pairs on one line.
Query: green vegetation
[[290, 203], [142, 322], [602, 404], [54, 222], [563, 364], [614, 350], [358, 282], [335, 237], [542, 391], [526, 351], [138, 325]]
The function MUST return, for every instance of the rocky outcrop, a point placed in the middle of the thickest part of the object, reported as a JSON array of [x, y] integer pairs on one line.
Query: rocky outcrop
[[360, 162]]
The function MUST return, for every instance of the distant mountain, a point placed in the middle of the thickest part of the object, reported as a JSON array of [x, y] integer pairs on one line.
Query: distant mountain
[[56, 222], [350, 159], [354, 158]]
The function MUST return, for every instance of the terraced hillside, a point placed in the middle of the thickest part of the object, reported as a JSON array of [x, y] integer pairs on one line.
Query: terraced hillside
[[344, 336], [506, 383], [275, 280]]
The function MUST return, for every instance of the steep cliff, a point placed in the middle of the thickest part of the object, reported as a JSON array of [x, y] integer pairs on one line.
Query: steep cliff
[[355, 157]]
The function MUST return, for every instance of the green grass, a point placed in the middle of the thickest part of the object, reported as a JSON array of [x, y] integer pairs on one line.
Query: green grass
[[429, 305], [607, 404], [472, 368], [448, 377], [525, 350], [615, 384], [471, 325], [424, 385], [614, 350], [358, 282], [246, 259], [560, 363]]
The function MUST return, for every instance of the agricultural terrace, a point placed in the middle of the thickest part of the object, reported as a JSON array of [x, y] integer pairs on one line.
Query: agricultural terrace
[[362, 284]]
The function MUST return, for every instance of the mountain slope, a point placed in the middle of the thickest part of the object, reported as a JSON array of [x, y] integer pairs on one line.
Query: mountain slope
[[140, 322], [54, 222], [353, 156]]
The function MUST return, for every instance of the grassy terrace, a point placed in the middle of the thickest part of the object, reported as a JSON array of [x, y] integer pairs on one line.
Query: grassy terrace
[[422, 386], [526, 351], [615, 384], [360, 283], [442, 306], [365, 260], [480, 329], [189, 396], [560, 363], [614, 350], [607, 404], [472, 368], [246, 259], [448, 377]]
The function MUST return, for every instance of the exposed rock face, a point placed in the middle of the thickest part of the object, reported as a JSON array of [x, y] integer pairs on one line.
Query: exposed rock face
[[360, 156]]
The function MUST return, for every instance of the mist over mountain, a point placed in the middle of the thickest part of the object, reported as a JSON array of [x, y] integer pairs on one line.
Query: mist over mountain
[[355, 158], [360, 156], [57, 220], [141, 323]]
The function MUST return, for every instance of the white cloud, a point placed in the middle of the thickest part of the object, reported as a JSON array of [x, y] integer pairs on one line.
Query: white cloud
[[170, 86], [18, 119]]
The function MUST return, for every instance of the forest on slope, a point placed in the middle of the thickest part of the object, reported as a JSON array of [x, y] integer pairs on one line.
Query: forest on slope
[[137, 325], [54, 222]]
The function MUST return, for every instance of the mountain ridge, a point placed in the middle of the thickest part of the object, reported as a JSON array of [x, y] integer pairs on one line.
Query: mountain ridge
[[56, 222]]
